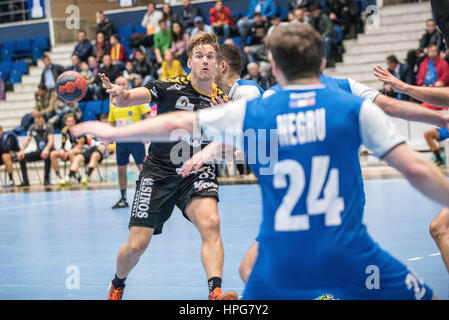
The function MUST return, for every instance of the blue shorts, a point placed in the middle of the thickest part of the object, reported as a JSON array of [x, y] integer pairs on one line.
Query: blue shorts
[[123, 151], [444, 134]]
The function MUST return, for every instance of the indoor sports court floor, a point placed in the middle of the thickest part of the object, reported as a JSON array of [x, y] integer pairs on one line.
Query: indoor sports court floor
[[47, 237]]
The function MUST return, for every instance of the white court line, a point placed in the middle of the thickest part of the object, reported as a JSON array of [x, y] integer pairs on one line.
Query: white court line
[[413, 259], [49, 202], [435, 254]]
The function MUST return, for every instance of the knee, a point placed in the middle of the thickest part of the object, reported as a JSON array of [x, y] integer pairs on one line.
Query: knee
[[137, 248], [438, 228], [211, 224]]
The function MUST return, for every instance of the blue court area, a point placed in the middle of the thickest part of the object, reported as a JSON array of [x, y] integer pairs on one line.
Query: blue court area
[[47, 238]]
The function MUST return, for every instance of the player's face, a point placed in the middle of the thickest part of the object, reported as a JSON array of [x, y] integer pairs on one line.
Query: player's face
[[203, 62], [122, 82]]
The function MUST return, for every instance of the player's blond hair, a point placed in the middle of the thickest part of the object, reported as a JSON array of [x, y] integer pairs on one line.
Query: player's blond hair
[[202, 39]]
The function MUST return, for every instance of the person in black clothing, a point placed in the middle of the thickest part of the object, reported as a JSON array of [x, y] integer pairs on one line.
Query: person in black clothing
[[344, 13], [299, 4], [50, 73], [84, 48], [143, 68], [76, 62], [104, 25], [321, 22], [189, 12], [257, 31], [9, 144], [111, 71], [43, 135], [254, 74], [401, 71], [431, 37]]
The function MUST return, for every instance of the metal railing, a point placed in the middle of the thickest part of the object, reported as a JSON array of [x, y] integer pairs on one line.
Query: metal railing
[[14, 11]]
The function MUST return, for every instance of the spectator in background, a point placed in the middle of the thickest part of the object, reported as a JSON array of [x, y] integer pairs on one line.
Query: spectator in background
[[143, 68], [168, 15], [171, 67], [299, 16], [221, 20], [242, 55], [275, 22], [433, 72], [343, 13], [258, 31], [436, 135], [111, 71], [321, 22], [104, 25], [254, 74], [100, 46], [130, 75], [44, 100], [265, 7], [200, 26], [401, 71], [76, 61], [151, 19], [93, 65], [84, 48], [117, 51], [50, 73], [431, 37], [43, 135], [90, 79], [61, 108], [162, 41], [179, 40], [299, 4], [189, 13], [9, 144]]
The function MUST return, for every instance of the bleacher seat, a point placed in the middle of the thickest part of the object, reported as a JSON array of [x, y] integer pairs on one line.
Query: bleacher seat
[[15, 76], [24, 48], [125, 32], [21, 66], [40, 44], [105, 106], [8, 49], [139, 29], [5, 69]]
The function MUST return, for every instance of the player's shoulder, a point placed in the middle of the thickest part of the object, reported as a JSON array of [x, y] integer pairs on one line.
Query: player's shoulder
[[221, 94], [65, 130]]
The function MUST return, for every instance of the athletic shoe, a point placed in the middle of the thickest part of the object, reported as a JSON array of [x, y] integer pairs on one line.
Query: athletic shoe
[[47, 182], [120, 204], [439, 163], [24, 184], [217, 294], [115, 293], [9, 184], [85, 180], [65, 181]]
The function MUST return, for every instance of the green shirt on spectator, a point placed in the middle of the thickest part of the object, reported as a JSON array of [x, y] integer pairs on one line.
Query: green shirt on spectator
[[162, 41]]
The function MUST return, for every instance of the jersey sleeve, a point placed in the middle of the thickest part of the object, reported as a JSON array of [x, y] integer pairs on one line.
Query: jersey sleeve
[[363, 91], [247, 93], [144, 108], [224, 123], [155, 89], [378, 133]]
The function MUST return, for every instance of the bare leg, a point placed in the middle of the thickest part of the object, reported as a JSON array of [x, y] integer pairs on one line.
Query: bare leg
[[130, 252], [77, 162], [54, 156], [203, 212], [431, 136], [122, 178], [7, 160], [439, 229], [94, 160], [248, 262]]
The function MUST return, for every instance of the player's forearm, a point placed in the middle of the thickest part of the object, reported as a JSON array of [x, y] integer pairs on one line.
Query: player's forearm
[[410, 111], [432, 95], [132, 97], [168, 127]]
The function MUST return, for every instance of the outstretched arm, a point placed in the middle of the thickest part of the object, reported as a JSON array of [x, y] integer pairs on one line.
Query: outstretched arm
[[411, 111], [125, 98], [432, 95]]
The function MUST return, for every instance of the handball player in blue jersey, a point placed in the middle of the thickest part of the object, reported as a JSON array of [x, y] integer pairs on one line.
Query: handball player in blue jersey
[[312, 239]]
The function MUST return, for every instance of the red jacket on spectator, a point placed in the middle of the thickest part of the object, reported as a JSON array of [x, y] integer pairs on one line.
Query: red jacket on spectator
[[118, 53], [442, 71], [223, 15]]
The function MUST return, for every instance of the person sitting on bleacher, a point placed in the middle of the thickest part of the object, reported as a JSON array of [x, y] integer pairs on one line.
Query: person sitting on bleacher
[[60, 109], [221, 20], [104, 25], [76, 145], [151, 19], [43, 135], [84, 48], [171, 67], [169, 15], [50, 73], [76, 62], [200, 26], [91, 155], [100, 46], [143, 68], [111, 71], [117, 51], [162, 41], [189, 13], [9, 144]]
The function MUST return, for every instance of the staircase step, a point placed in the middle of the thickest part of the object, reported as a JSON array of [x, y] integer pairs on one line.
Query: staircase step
[[17, 105], [14, 96], [400, 28], [404, 9], [59, 55], [418, 18], [63, 62], [354, 49], [35, 71], [24, 87], [375, 58], [28, 79], [66, 48], [386, 38], [341, 68]]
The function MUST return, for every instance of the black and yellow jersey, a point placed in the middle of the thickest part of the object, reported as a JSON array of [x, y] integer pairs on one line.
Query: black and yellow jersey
[[67, 136], [177, 94]]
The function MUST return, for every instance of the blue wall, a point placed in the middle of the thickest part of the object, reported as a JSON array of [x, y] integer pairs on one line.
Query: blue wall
[[40, 29]]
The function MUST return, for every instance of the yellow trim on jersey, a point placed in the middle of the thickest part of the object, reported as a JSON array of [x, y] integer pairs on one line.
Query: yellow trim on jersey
[[149, 93], [214, 88], [127, 115]]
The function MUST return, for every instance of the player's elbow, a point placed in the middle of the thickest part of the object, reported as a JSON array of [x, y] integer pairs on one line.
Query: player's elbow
[[180, 120], [416, 170]]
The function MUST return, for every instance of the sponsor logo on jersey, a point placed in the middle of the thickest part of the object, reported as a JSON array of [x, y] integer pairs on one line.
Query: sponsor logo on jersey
[[142, 199], [183, 103], [301, 100], [205, 98], [153, 92], [176, 87], [205, 185]]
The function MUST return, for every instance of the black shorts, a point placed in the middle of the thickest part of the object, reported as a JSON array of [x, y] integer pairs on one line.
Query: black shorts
[[158, 193], [88, 153]]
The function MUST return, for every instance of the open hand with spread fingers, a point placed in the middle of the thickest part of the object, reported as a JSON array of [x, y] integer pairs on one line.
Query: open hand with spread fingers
[[386, 77]]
